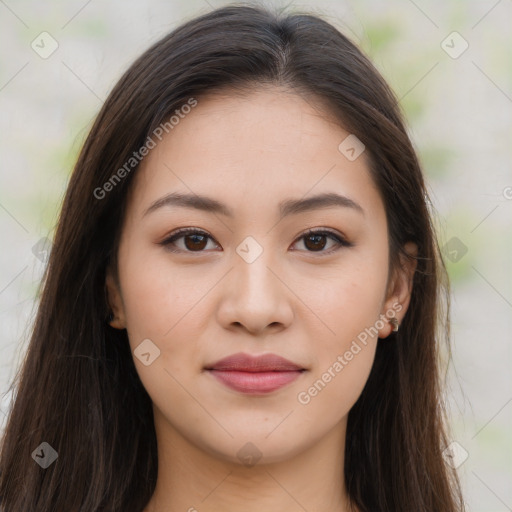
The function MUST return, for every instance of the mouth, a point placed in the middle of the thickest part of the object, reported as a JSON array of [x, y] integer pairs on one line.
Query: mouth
[[255, 375]]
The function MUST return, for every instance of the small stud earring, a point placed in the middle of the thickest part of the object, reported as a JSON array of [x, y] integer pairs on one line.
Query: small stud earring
[[394, 323], [110, 317]]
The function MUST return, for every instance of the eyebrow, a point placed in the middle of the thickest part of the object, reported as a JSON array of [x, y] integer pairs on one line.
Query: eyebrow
[[287, 207]]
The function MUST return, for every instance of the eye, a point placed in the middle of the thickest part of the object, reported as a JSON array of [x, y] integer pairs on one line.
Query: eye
[[314, 240], [196, 240]]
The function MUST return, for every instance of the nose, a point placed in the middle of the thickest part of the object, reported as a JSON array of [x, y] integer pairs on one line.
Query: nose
[[255, 297]]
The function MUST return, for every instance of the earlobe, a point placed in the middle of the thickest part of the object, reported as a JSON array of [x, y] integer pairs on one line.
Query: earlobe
[[400, 290], [116, 318]]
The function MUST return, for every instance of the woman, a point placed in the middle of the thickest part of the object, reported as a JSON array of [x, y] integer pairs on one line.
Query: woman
[[243, 304]]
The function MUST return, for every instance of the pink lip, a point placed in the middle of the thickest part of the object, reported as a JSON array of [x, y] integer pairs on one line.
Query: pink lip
[[253, 375]]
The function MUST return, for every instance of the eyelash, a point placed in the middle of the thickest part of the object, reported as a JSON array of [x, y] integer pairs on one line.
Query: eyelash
[[193, 231]]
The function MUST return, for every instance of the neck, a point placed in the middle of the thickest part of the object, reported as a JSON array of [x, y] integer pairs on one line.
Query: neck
[[193, 480]]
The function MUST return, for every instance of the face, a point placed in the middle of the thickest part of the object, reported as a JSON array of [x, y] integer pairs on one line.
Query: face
[[248, 277]]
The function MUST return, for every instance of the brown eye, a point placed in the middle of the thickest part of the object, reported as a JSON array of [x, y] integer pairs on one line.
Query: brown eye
[[317, 240], [193, 241], [197, 241]]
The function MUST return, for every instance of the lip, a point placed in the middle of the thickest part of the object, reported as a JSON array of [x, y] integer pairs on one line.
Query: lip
[[255, 374]]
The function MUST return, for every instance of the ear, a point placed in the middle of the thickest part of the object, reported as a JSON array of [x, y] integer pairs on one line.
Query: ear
[[399, 289], [115, 300]]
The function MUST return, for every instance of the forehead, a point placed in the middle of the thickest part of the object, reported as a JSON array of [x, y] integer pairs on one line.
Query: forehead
[[253, 149]]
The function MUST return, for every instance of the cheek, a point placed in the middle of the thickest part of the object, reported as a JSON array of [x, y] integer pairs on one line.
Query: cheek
[[161, 303], [349, 299], [331, 393], [343, 357], [349, 304], [164, 306]]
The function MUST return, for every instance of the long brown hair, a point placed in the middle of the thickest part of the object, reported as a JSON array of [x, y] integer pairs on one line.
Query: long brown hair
[[78, 389]]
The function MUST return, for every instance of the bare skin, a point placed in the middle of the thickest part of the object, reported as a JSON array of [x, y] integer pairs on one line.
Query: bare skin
[[221, 449]]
